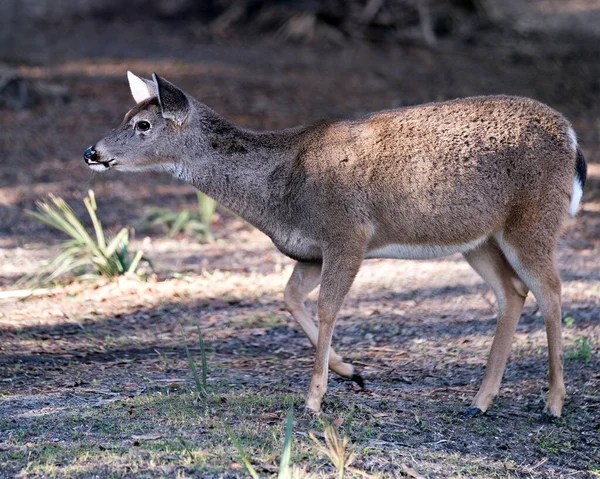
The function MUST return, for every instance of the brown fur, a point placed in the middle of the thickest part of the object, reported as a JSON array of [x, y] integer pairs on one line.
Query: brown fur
[[466, 165], [488, 176]]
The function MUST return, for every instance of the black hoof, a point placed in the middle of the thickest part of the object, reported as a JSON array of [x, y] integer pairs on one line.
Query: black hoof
[[474, 411], [357, 378], [550, 418]]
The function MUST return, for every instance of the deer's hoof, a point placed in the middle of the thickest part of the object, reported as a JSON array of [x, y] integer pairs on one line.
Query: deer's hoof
[[358, 379], [313, 405], [474, 411], [311, 413], [549, 417], [554, 405]]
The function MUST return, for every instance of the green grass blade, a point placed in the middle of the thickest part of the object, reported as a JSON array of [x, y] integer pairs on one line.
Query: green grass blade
[[121, 238], [348, 420], [192, 364], [65, 219], [65, 215], [136, 261], [195, 226], [52, 218], [90, 204], [63, 263], [180, 220], [286, 454], [238, 446], [203, 356], [206, 207], [187, 449], [92, 198], [66, 266]]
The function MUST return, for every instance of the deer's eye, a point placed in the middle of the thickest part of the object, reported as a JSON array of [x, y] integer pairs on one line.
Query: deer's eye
[[143, 125]]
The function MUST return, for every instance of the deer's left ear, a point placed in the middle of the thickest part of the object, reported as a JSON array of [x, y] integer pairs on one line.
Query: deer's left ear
[[173, 102], [141, 89]]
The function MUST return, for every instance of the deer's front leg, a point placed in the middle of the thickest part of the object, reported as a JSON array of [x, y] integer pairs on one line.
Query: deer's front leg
[[304, 279], [338, 273]]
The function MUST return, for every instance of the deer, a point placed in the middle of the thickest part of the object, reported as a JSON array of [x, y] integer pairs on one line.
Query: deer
[[491, 177]]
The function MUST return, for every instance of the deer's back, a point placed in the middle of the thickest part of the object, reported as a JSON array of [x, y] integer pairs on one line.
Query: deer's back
[[455, 170]]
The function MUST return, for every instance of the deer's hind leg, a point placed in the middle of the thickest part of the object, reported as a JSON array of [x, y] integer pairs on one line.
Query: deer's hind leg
[[491, 264], [305, 278], [531, 252]]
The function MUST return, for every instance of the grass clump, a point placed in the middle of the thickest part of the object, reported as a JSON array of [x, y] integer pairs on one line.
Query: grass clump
[[84, 254], [192, 222], [286, 469], [337, 449], [582, 350]]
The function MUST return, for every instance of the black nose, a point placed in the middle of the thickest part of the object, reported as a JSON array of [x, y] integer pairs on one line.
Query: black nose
[[90, 155]]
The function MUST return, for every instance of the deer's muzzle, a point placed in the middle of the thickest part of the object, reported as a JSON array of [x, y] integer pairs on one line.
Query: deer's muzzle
[[90, 155], [92, 159]]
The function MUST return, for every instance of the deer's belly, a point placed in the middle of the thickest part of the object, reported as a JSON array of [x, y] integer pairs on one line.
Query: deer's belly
[[413, 251], [298, 247]]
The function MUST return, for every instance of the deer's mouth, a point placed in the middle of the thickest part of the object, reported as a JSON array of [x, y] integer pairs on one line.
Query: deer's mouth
[[100, 165]]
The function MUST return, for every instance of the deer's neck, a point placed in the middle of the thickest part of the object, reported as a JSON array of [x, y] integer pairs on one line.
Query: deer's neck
[[244, 171]]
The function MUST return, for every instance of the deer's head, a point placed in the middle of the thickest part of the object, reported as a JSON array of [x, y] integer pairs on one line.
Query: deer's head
[[147, 138]]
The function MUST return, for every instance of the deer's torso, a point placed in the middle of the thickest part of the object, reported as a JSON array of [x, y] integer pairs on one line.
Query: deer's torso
[[424, 181]]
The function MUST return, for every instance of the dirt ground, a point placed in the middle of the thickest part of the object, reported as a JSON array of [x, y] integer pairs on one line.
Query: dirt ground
[[94, 380]]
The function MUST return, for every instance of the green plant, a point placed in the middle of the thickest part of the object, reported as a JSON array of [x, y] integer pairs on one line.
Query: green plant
[[203, 359], [206, 208], [582, 350], [103, 255], [286, 454], [193, 222], [200, 386], [240, 449], [569, 321], [188, 450]]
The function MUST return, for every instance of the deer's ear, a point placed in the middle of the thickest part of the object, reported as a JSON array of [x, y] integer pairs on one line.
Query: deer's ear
[[173, 102], [141, 89]]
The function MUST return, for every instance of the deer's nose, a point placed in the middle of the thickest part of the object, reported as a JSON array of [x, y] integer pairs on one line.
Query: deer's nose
[[90, 155]]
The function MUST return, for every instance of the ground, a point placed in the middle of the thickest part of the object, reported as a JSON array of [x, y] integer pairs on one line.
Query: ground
[[94, 379]]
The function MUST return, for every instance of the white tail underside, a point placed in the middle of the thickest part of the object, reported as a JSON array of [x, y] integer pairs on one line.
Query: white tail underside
[[575, 196]]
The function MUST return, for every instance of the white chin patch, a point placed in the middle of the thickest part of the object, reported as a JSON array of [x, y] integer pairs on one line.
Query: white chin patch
[[98, 167]]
